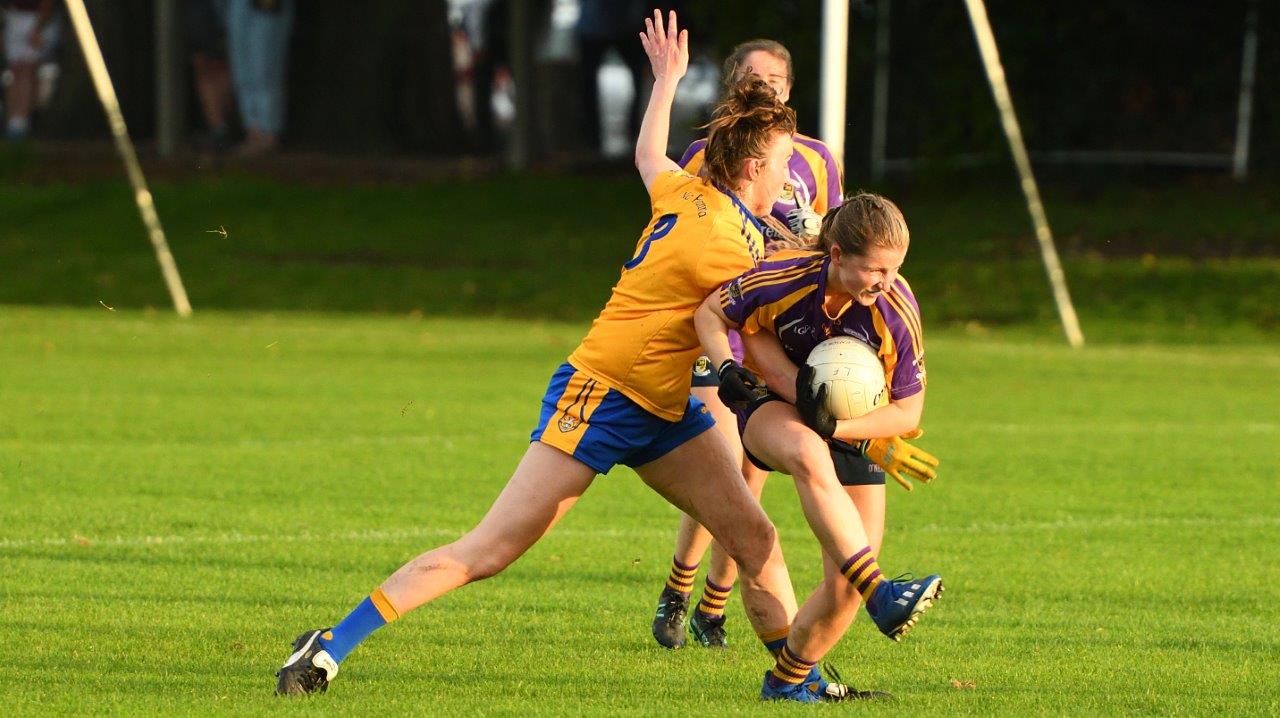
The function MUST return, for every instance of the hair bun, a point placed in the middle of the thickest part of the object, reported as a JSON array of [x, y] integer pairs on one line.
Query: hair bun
[[748, 93]]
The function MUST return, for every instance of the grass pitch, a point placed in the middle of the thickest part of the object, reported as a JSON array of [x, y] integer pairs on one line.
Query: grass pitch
[[178, 499]]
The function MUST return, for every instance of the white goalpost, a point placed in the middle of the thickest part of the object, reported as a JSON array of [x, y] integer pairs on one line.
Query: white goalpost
[[141, 195], [1030, 190], [835, 40], [835, 37]]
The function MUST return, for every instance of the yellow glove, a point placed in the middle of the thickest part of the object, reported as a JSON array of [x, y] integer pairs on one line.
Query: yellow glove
[[900, 459]]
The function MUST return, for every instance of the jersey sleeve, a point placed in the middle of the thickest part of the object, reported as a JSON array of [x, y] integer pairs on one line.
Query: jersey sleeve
[[767, 284], [902, 320], [827, 181], [835, 182]]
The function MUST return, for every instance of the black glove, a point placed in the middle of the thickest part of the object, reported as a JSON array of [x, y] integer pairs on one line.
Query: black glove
[[813, 405], [738, 386]]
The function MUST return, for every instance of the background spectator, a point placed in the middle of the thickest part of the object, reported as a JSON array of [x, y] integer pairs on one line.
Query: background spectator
[[258, 41], [31, 31], [205, 23], [605, 24]]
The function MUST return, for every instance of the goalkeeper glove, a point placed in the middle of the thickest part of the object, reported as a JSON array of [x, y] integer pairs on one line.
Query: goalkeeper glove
[[738, 386], [803, 221], [901, 460], [812, 405]]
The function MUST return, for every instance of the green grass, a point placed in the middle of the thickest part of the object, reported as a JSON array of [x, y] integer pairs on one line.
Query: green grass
[[1189, 262], [179, 498]]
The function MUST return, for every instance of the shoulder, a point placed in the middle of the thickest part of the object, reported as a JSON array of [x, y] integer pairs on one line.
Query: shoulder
[[813, 147], [901, 313], [901, 291], [671, 185], [788, 269], [695, 150]]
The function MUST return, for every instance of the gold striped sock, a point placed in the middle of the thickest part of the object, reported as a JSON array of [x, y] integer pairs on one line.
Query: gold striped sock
[[681, 578], [790, 668], [714, 598], [775, 639], [863, 572]]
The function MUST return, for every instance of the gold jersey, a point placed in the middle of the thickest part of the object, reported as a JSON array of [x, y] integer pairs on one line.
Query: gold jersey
[[643, 342]]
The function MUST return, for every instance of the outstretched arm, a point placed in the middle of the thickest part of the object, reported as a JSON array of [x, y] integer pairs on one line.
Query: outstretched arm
[[668, 50]]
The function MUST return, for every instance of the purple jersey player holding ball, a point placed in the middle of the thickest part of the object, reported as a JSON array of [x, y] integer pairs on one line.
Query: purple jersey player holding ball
[[803, 298]]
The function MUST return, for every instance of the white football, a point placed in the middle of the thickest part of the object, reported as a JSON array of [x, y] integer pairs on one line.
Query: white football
[[853, 374]]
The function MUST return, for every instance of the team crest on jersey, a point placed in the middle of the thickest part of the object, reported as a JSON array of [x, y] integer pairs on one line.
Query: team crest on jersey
[[735, 291], [702, 367], [567, 424]]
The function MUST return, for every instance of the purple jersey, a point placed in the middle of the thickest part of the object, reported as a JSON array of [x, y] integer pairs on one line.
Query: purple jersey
[[784, 296], [813, 171]]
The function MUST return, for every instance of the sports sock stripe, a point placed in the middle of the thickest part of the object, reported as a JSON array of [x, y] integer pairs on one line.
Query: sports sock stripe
[[863, 572], [714, 598], [682, 577], [790, 668]]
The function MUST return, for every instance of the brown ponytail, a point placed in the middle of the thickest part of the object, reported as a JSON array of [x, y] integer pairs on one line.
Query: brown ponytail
[[741, 128]]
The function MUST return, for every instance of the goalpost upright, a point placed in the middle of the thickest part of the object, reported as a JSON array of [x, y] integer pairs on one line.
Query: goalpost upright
[[141, 195], [1013, 133], [835, 38]]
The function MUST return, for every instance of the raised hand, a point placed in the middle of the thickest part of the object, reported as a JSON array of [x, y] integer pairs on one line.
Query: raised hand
[[667, 47]]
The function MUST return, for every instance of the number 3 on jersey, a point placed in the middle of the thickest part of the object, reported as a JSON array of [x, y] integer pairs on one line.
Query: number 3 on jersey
[[660, 230]]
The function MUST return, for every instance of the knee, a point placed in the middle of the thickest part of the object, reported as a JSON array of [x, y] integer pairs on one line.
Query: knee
[[809, 459], [477, 562], [752, 545]]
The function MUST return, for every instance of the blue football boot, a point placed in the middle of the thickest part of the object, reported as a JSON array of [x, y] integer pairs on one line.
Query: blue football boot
[[836, 689], [897, 603], [797, 692]]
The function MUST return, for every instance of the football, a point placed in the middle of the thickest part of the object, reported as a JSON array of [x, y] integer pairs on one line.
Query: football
[[853, 374]]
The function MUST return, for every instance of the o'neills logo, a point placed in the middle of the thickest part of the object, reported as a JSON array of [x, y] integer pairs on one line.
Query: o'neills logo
[[567, 423]]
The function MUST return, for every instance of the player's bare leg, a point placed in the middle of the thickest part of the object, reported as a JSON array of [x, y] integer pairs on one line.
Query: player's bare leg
[[701, 478], [776, 435], [692, 541], [707, 621], [545, 485], [835, 602]]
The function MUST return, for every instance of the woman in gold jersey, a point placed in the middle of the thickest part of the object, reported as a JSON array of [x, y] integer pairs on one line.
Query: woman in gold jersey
[[623, 395]]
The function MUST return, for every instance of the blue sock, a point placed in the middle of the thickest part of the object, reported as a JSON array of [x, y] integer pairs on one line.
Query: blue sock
[[373, 613]]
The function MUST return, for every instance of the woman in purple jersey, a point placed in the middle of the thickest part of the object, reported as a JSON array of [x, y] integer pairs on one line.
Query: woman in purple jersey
[[813, 186], [802, 298]]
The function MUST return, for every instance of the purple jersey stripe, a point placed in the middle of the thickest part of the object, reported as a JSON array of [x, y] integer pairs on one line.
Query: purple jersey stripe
[[834, 195], [770, 282], [695, 148]]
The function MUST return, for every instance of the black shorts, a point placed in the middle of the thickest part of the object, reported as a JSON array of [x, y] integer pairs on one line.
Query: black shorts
[[703, 374], [852, 469]]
